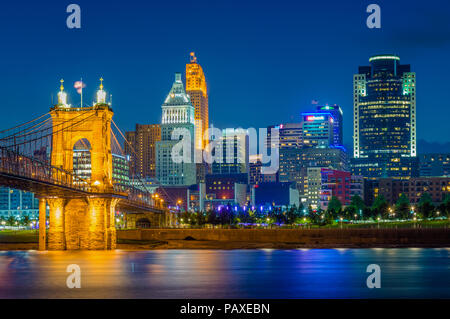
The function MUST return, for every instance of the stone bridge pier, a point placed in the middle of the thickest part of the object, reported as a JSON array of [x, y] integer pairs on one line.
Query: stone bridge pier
[[79, 223]]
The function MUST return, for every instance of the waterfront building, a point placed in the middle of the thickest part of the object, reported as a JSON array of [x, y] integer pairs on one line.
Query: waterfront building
[[292, 161], [16, 203], [141, 147], [357, 186], [384, 126], [222, 186], [313, 186], [177, 114], [335, 183], [434, 165], [413, 188], [275, 195]]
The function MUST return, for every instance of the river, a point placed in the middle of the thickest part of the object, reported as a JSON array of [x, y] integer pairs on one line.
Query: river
[[264, 273]]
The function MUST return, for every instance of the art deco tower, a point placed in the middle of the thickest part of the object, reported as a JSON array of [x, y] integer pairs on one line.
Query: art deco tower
[[197, 90], [177, 113]]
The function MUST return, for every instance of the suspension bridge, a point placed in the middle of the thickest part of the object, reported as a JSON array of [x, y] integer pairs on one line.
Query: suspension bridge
[[38, 156]]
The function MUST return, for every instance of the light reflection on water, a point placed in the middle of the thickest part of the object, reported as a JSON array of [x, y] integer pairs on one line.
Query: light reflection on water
[[297, 273]]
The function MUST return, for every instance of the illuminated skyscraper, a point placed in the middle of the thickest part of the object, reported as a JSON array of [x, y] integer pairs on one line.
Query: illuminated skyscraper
[[197, 90], [318, 129], [177, 114], [338, 115], [384, 124]]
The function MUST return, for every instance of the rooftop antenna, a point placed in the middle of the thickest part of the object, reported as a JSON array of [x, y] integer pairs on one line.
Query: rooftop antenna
[[193, 58]]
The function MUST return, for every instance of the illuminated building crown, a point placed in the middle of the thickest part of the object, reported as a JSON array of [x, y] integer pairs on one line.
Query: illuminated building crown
[[62, 96], [177, 95], [101, 95]]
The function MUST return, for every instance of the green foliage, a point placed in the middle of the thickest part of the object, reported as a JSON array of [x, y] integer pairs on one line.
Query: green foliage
[[334, 206], [10, 221], [425, 206], [379, 207], [403, 207]]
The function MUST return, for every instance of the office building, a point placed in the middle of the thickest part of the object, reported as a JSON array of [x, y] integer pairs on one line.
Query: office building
[[82, 166], [221, 186], [274, 195], [231, 153], [256, 174], [335, 184], [391, 189], [197, 90], [384, 126], [313, 186], [177, 116], [318, 129], [357, 186], [16, 203], [337, 114], [141, 148], [434, 165]]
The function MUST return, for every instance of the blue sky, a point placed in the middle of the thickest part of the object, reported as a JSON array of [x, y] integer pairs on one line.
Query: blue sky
[[264, 60]]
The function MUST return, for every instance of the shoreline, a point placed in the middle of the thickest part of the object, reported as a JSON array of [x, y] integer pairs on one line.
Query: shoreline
[[220, 245]]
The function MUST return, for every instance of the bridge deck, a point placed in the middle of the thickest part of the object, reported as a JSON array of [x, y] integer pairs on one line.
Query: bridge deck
[[49, 189]]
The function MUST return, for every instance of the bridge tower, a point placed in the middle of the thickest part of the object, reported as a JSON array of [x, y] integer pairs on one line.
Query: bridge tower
[[85, 221]]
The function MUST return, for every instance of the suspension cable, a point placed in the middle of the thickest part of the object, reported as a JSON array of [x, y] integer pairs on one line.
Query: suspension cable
[[12, 128]]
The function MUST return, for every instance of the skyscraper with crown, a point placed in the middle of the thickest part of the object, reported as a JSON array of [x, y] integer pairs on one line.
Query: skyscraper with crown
[[177, 114]]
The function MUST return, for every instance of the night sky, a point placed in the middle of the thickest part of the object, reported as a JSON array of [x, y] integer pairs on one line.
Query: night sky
[[265, 61]]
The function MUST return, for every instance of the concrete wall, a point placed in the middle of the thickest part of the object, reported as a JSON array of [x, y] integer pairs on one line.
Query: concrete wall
[[420, 236]]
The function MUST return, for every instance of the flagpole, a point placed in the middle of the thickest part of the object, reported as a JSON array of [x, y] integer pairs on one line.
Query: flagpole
[[81, 92]]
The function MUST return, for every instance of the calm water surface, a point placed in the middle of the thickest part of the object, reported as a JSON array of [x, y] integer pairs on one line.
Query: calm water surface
[[307, 273]]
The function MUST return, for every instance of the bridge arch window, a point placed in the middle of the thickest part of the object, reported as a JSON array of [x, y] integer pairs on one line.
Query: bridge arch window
[[82, 159]]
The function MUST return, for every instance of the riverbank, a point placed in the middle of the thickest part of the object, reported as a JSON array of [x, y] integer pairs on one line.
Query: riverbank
[[284, 238], [217, 245], [226, 239]]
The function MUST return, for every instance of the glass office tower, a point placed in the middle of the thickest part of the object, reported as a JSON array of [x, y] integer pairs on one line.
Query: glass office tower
[[384, 135]]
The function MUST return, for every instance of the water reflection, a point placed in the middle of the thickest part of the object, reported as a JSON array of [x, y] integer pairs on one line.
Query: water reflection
[[302, 273]]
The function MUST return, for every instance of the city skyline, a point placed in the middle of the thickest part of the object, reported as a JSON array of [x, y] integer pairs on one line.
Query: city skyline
[[285, 79]]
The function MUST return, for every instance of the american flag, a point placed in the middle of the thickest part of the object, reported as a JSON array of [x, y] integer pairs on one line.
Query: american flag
[[79, 85], [314, 102]]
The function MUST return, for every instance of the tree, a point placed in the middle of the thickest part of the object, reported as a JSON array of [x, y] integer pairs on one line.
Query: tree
[[10, 221], [356, 207], [426, 206], [402, 207], [379, 206], [358, 203], [291, 215], [445, 206], [25, 221], [334, 206]]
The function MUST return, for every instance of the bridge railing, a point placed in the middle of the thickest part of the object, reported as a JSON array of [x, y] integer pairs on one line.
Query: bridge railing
[[31, 168], [136, 194], [25, 166]]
